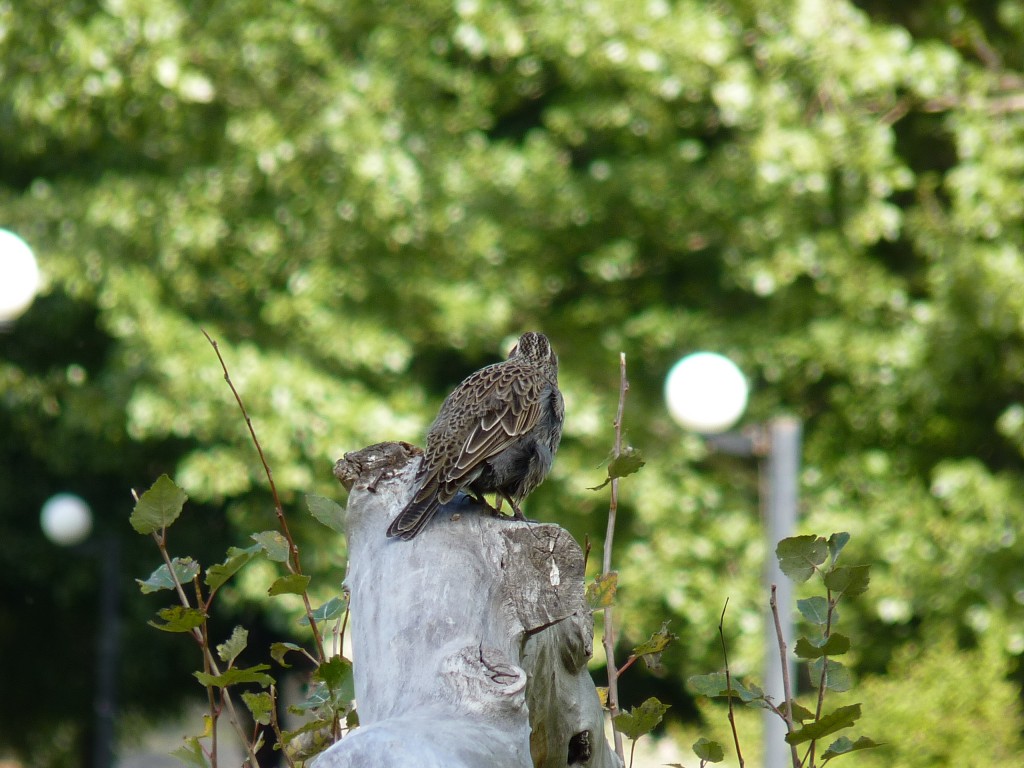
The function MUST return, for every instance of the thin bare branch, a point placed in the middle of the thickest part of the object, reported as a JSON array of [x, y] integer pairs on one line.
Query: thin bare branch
[[728, 685], [608, 638], [787, 689], [294, 564]]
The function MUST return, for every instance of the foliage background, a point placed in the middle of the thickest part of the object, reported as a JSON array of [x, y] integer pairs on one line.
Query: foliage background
[[364, 201]]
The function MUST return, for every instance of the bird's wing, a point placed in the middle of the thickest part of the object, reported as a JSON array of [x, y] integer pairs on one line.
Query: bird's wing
[[501, 405]]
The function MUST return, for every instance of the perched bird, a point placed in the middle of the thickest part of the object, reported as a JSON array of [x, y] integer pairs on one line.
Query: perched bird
[[496, 433]]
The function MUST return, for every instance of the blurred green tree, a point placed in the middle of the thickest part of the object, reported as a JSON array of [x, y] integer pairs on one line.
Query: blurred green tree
[[365, 201]]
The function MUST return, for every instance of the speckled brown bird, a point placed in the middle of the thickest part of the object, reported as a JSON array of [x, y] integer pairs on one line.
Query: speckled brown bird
[[496, 433]]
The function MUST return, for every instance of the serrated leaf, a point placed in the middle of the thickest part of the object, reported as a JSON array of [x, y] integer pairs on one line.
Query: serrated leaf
[[837, 676], [332, 609], [849, 579], [191, 753], [640, 720], [843, 717], [217, 575], [801, 714], [273, 544], [657, 642], [601, 591], [237, 675], [260, 704], [714, 685], [336, 674], [158, 507], [178, 618], [843, 745], [278, 651], [835, 645], [709, 751], [836, 542], [292, 584], [630, 460], [328, 512], [332, 671], [815, 610], [318, 696], [234, 645], [799, 556], [185, 569]]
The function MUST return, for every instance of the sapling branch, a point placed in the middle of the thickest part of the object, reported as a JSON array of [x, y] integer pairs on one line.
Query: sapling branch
[[608, 638], [728, 685], [823, 678], [209, 663], [786, 711], [294, 564]]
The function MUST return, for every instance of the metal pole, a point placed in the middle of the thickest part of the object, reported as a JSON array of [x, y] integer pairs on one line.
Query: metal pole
[[781, 500], [107, 649]]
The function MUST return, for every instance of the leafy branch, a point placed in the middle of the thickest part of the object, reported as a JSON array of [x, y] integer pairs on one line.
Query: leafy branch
[[800, 558], [330, 694]]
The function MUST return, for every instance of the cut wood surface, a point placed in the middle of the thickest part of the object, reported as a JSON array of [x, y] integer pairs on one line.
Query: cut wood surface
[[470, 641]]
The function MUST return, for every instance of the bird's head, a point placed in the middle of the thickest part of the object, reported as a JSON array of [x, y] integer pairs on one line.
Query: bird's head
[[534, 347]]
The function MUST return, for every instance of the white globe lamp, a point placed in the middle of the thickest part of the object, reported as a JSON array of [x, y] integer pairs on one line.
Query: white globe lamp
[[706, 393], [19, 276], [66, 519]]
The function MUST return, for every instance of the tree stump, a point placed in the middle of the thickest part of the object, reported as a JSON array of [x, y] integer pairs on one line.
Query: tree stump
[[470, 641]]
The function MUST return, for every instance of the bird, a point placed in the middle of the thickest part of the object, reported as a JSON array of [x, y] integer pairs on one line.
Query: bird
[[497, 432]]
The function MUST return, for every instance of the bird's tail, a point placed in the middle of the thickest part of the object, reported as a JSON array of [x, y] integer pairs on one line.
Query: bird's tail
[[417, 513]]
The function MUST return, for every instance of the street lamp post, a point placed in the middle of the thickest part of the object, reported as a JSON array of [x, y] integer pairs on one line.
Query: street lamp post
[[706, 393], [66, 520]]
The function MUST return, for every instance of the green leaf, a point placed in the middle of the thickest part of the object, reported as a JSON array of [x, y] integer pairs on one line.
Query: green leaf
[[274, 544], [849, 579], [229, 650], [237, 675], [216, 575], [191, 753], [292, 584], [714, 685], [601, 591], [836, 542], [843, 717], [260, 704], [709, 751], [328, 512], [837, 676], [650, 650], [843, 745], [158, 507], [185, 569], [319, 695], [800, 555], [178, 618], [835, 645], [278, 651], [815, 610], [657, 642], [332, 609], [630, 460], [336, 674], [640, 720], [801, 714]]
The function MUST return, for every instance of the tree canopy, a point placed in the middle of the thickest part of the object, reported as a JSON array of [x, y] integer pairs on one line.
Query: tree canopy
[[364, 201]]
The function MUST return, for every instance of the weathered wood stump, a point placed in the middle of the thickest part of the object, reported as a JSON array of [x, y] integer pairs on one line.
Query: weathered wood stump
[[470, 642]]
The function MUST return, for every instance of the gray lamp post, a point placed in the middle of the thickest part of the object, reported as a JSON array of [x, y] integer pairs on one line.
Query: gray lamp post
[[66, 520], [706, 393]]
